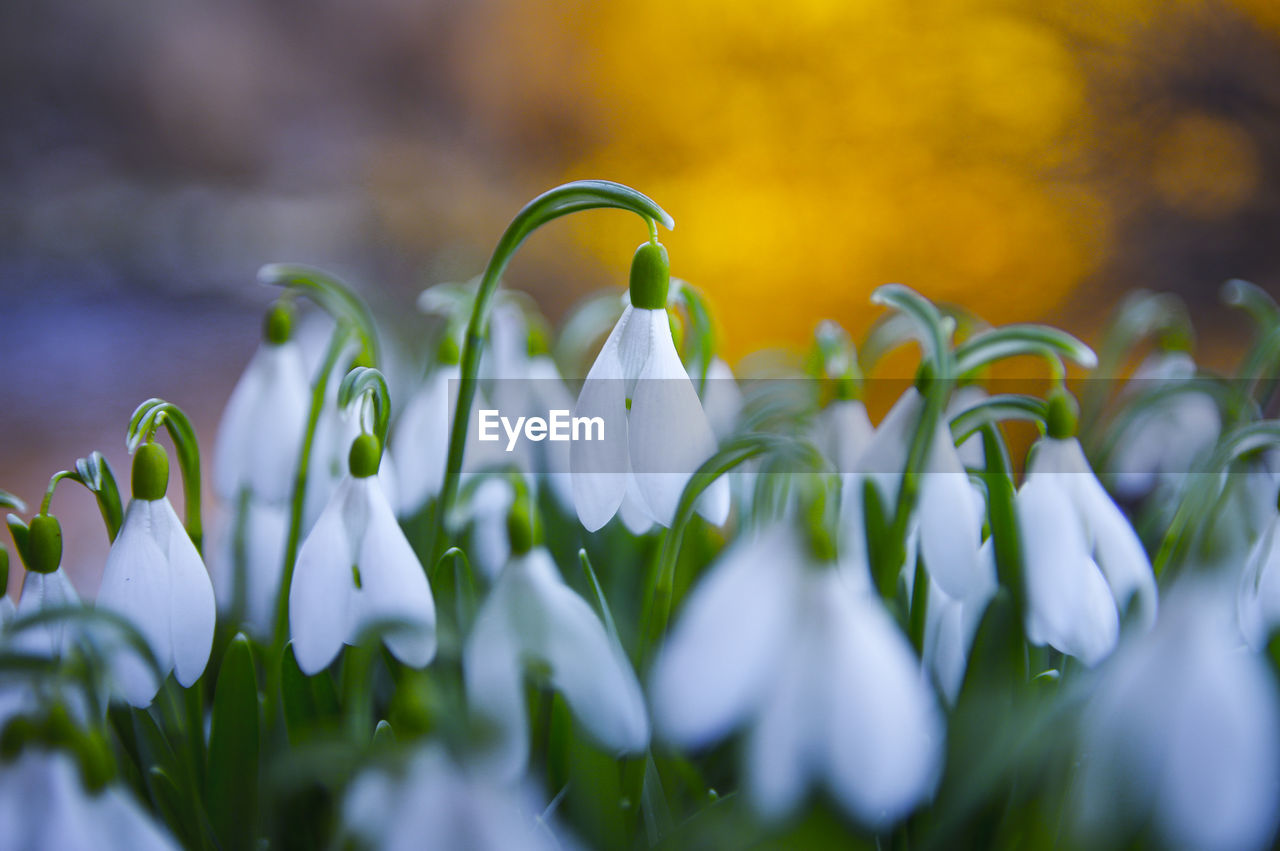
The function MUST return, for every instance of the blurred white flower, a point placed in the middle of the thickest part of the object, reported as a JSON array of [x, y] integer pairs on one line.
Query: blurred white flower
[[1258, 595], [1161, 442], [817, 669], [356, 571], [950, 626], [433, 803], [1184, 729], [532, 618], [948, 519], [251, 541], [721, 397], [963, 398], [656, 432], [421, 439], [1084, 563], [155, 578], [40, 592], [842, 431], [488, 507], [261, 431], [43, 804]]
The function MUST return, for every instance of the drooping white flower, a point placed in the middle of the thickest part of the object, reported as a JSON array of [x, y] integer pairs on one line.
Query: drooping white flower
[[1258, 595], [261, 431], [1161, 442], [963, 398], [807, 658], [721, 397], [1183, 733], [1084, 564], [356, 571], [41, 592], [656, 433], [531, 616], [155, 578], [488, 508], [435, 803], [43, 804], [950, 626], [253, 542], [421, 438], [842, 431], [948, 521]]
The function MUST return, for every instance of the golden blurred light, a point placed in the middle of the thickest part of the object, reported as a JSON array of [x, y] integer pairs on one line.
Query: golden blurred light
[[1204, 166]]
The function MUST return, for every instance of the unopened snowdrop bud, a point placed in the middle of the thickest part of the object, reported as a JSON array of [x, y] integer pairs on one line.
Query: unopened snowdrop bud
[[523, 526], [650, 276], [156, 579], [277, 325], [1064, 415], [447, 353], [44, 544], [365, 456], [150, 475]]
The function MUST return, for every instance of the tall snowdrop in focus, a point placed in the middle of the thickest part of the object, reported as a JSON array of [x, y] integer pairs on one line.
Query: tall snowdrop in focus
[[357, 572], [433, 797], [1085, 566], [656, 433], [255, 462], [777, 638], [532, 619], [1183, 733], [155, 578]]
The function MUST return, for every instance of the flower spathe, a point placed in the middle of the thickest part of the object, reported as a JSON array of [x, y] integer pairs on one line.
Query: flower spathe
[[530, 615], [356, 571], [1084, 563], [155, 578], [809, 660], [656, 433]]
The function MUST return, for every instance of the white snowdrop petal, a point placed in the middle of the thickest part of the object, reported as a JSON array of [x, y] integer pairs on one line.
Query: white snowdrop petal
[[885, 455], [489, 506], [600, 468], [587, 666], [950, 523], [1123, 560], [394, 587], [883, 727], [494, 684], [236, 430], [1069, 605], [193, 611], [724, 648], [722, 399], [844, 432], [421, 440], [779, 756], [322, 590], [41, 592], [136, 586], [633, 510], [668, 432]]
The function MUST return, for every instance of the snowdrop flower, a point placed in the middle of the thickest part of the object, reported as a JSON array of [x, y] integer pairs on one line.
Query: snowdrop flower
[[261, 431], [962, 399], [1258, 595], [43, 804], [805, 656], [948, 521], [842, 431], [1184, 730], [356, 571], [532, 617], [1161, 443], [255, 463], [433, 798], [40, 592], [655, 430], [421, 436], [489, 506], [155, 578], [950, 626], [721, 397], [1084, 563]]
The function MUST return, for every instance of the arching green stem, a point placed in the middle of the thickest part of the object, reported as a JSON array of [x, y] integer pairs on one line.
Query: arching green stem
[[993, 409], [365, 380], [144, 423], [1254, 300], [574, 197], [933, 330], [95, 474], [1015, 340], [332, 295]]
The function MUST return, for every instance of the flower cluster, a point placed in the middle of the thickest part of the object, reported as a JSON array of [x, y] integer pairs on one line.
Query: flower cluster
[[750, 606]]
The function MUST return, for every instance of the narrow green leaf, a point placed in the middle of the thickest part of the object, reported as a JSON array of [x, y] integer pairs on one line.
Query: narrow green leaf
[[384, 738], [20, 533], [605, 614], [234, 749], [8, 500], [1014, 340]]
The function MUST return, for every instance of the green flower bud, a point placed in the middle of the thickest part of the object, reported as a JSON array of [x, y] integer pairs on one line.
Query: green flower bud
[[523, 526], [539, 339], [650, 276], [447, 352], [819, 527], [44, 544], [150, 472], [277, 325], [1064, 415], [365, 456], [16, 734]]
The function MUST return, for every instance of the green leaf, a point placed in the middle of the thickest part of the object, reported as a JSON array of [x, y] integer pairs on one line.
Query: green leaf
[[20, 533], [309, 703], [1254, 300], [168, 802], [605, 614], [8, 500], [384, 738], [1015, 340], [234, 749], [95, 474], [994, 409]]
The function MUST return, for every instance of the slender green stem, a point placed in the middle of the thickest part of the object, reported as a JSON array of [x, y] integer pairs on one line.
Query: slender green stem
[[144, 423], [574, 197]]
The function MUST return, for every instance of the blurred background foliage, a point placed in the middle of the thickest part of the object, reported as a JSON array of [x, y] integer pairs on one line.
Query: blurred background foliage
[[1029, 159]]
